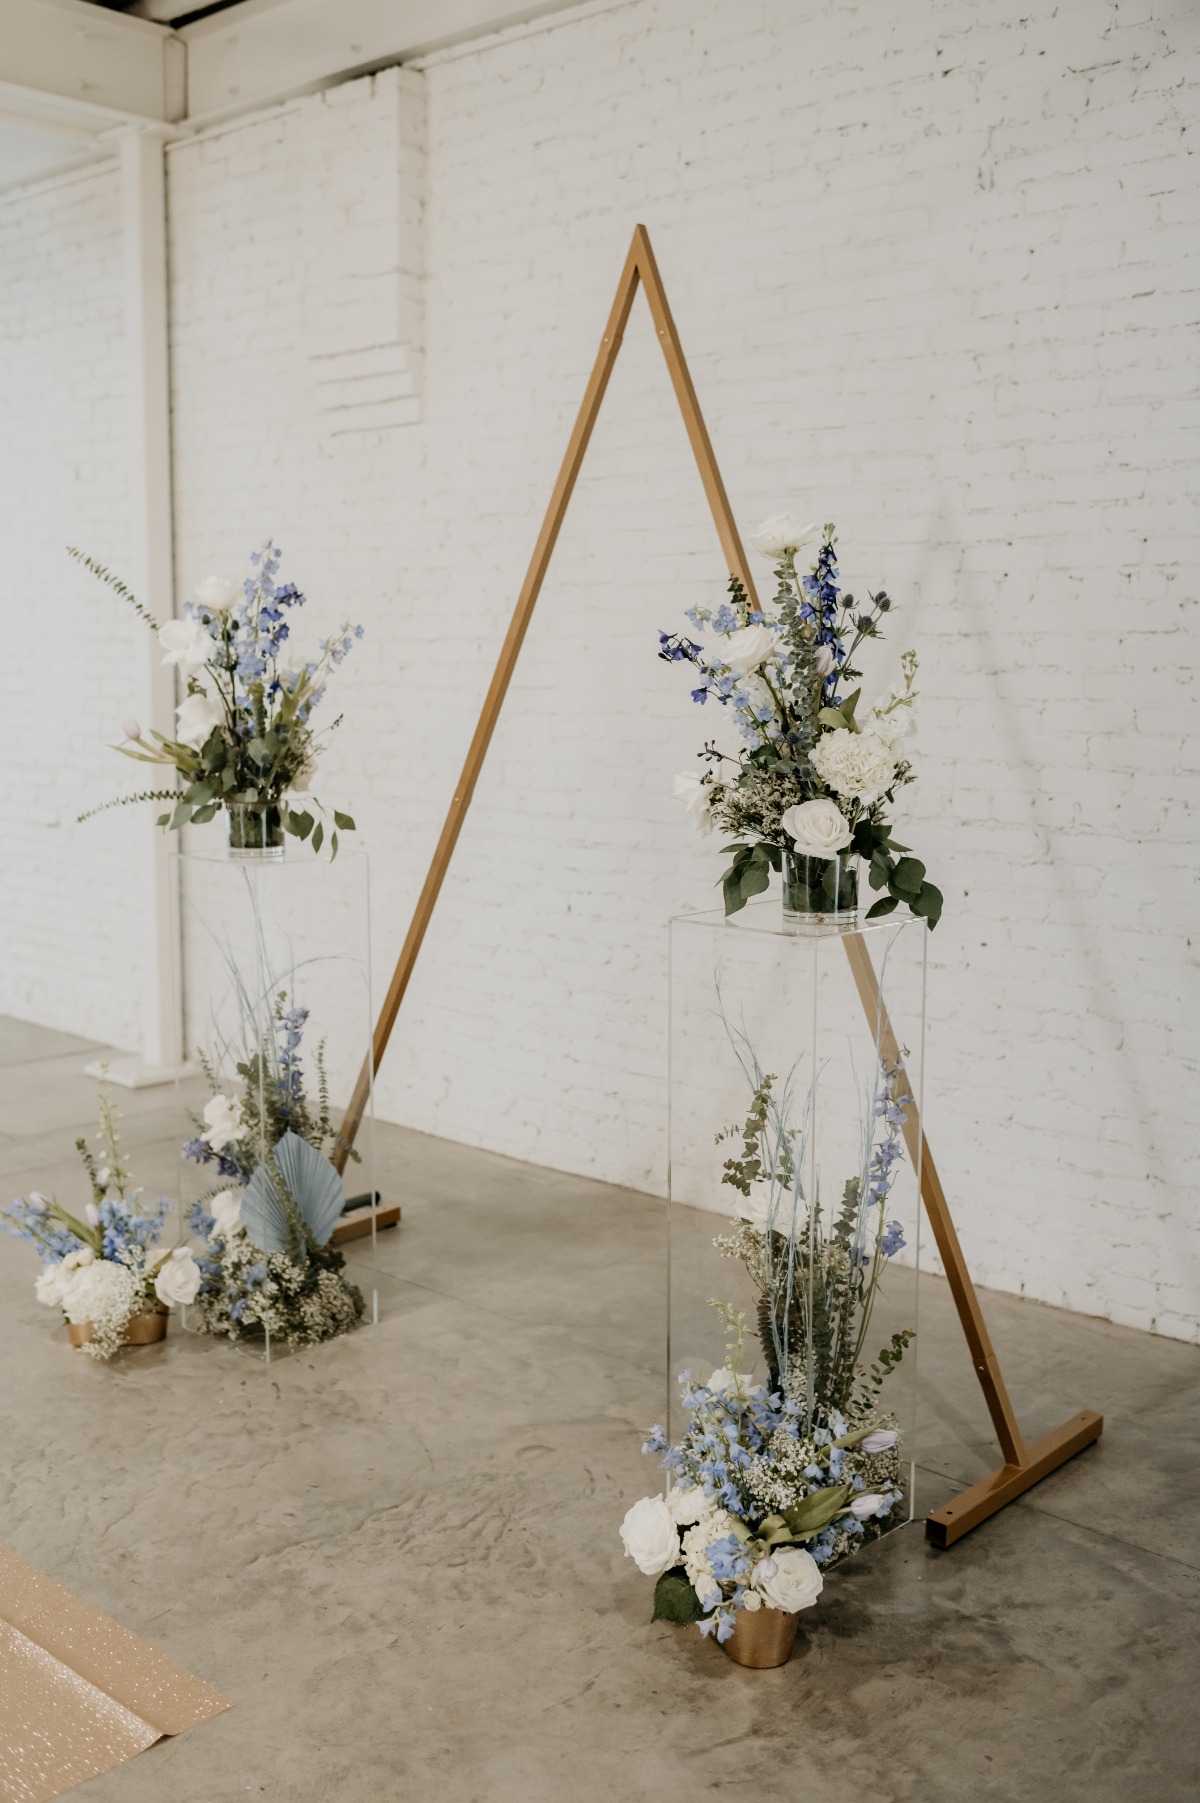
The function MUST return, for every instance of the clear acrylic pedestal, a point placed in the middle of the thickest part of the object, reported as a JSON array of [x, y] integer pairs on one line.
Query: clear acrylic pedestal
[[750, 999], [262, 937]]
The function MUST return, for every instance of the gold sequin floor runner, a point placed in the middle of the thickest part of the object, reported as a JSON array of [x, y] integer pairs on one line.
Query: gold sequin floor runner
[[79, 1693]]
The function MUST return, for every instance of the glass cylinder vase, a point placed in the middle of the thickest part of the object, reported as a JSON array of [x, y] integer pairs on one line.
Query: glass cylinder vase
[[820, 894], [255, 831]]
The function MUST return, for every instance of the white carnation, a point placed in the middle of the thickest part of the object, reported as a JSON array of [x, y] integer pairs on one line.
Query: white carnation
[[858, 765], [687, 1504], [51, 1284], [714, 1525]]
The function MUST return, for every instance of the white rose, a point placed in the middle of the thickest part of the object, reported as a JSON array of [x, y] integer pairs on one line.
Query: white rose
[[751, 1601], [695, 796], [195, 719], [51, 1285], [178, 1278], [219, 593], [856, 764], [186, 643], [782, 532], [222, 1122], [687, 1503], [795, 1583], [818, 828], [749, 648], [650, 1536], [226, 1211]]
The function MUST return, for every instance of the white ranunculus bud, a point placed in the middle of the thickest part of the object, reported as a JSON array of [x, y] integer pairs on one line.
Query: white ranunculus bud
[[863, 1507], [186, 643], [749, 648], [219, 593], [782, 532], [178, 1277], [858, 765], [650, 1537], [222, 1122], [818, 828], [695, 796], [196, 718], [795, 1583]]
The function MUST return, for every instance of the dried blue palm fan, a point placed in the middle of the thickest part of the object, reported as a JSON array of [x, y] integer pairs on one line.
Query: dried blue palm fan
[[293, 1177]]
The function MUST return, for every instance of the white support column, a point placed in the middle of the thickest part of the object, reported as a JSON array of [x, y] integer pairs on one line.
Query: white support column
[[152, 573]]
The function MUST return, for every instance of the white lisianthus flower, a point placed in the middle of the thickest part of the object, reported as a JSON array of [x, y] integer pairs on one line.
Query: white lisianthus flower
[[792, 1582], [818, 828], [195, 718], [222, 1122], [226, 1210], [51, 1284], [186, 643], [695, 796], [858, 765], [219, 593], [650, 1536], [749, 648], [863, 1507], [728, 1383], [782, 532], [178, 1278], [687, 1504]]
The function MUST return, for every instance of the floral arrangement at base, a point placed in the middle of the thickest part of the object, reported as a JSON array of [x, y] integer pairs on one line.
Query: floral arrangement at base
[[106, 1269], [774, 1483], [810, 790], [268, 1268], [244, 736]]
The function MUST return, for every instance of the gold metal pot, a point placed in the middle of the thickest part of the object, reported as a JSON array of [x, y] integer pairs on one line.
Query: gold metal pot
[[143, 1330], [762, 1639]]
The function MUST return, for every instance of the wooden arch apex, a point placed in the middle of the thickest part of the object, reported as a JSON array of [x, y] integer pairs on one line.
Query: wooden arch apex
[[1023, 1464]]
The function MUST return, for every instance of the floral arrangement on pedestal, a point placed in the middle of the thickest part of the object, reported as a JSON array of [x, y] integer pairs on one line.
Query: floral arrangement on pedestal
[[244, 739], [106, 1272], [809, 792], [774, 1483], [268, 1270]]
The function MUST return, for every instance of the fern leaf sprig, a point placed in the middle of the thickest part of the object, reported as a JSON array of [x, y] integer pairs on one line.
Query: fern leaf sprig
[[115, 584]]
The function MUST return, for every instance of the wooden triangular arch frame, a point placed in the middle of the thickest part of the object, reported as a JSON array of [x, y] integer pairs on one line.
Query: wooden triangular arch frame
[[1023, 1464]]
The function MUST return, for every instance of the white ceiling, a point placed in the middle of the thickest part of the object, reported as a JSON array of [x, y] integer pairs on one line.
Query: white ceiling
[[73, 72]]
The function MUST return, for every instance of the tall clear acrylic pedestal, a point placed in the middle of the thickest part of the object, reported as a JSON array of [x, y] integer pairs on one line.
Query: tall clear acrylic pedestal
[[749, 1000], [263, 936]]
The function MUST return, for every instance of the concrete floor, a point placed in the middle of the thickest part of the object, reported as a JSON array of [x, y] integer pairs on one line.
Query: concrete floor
[[398, 1553]]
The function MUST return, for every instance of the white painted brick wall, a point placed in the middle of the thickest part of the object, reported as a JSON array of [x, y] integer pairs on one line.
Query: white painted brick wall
[[72, 936], [935, 271]]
